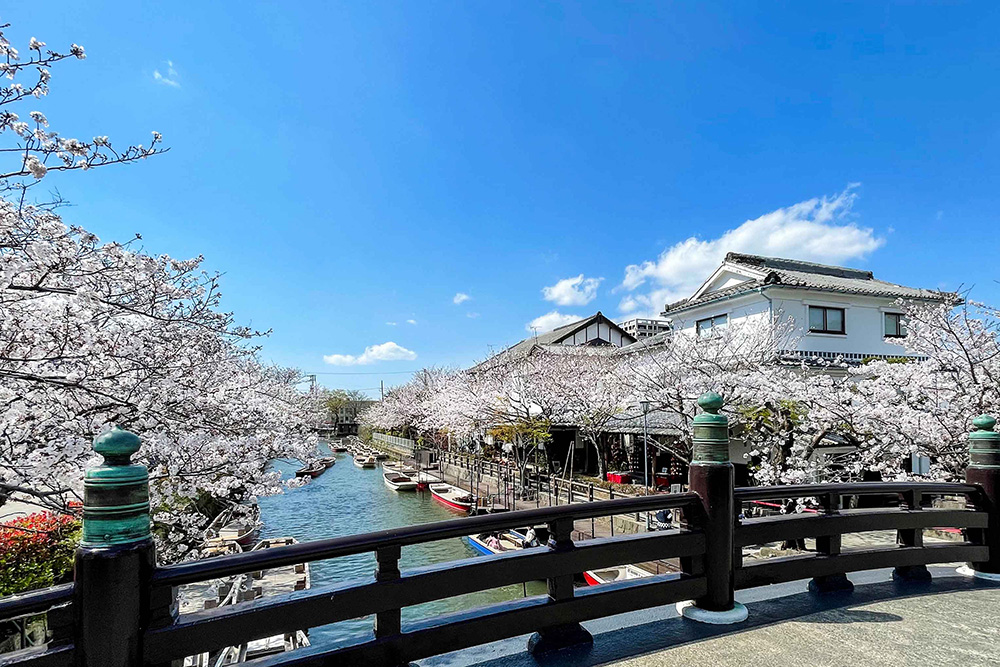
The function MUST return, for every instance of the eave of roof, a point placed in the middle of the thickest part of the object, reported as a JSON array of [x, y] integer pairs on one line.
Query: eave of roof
[[796, 274], [873, 288]]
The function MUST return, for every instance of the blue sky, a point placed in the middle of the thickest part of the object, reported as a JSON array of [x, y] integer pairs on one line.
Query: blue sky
[[351, 165]]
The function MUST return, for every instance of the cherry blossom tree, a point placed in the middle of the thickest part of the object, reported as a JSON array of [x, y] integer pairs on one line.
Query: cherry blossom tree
[[34, 150], [807, 421], [672, 370], [596, 393], [924, 405], [98, 334]]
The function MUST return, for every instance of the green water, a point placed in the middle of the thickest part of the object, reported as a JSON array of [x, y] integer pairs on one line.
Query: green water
[[347, 500]]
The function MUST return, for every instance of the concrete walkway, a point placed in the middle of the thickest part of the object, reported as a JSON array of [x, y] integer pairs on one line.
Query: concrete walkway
[[952, 621], [958, 628]]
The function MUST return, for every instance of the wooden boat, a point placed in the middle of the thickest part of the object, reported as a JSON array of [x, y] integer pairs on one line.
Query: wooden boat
[[328, 461], [364, 461], [619, 573], [259, 648], [314, 469], [274, 581], [236, 524], [510, 540], [217, 546], [399, 482], [381, 456], [279, 581], [452, 496], [400, 469], [338, 446]]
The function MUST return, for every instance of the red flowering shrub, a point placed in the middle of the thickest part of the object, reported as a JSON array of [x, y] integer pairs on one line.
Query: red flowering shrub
[[37, 551]]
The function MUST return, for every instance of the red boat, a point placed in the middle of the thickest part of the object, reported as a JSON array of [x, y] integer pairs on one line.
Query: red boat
[[619, 573], [452, 496]]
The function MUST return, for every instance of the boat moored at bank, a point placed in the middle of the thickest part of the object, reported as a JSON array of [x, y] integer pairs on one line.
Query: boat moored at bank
[[452, 496], [239, 524], [364, 461], [608, 575], [398, 481]]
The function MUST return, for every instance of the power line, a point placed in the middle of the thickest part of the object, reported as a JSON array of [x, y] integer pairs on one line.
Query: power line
[[366, 373]]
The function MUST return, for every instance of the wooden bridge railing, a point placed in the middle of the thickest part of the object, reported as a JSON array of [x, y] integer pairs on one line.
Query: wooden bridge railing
[[122, 609]]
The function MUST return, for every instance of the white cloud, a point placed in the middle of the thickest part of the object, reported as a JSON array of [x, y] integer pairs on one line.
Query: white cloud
[[168, 79], [577, 291], [472, 316], [818, 230], [373, 353], [461, 297], [411, 321], [549, 321]]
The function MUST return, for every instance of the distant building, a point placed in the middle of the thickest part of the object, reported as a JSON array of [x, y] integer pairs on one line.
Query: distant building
[[346, 418], [640, 328]]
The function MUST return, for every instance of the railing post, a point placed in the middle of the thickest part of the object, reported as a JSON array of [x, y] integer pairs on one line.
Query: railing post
[[984, 470], [560, 588], [911, 537], [830, 545], [593, 527], [611, 496], [711, 477], [388, 623], [115, 559]]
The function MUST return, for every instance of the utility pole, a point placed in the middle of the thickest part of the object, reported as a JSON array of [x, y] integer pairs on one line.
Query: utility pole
[[645, 441], [645, 452], [381, 390]]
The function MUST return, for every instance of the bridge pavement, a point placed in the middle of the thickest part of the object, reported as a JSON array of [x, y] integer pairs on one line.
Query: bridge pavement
[[951, 621], [902, 631]]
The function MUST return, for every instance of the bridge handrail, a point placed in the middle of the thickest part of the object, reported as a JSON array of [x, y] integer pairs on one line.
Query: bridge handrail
[[212, 629], [224, 566], [750, 493], [33, 602], [122, 609]]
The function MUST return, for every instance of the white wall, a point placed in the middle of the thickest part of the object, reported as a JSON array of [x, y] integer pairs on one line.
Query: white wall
[[596, 330], [863, 319], [740, 309]]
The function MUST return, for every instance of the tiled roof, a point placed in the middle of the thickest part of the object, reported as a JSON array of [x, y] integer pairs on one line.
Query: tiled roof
[[807, 275], [550, 340]]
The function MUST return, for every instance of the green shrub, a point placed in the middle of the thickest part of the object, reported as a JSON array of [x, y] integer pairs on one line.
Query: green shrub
[[37, 551]]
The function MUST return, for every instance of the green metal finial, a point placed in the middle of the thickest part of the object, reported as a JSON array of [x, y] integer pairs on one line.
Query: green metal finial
[[710, 402], [117, 446], [984, 423], [711, 431], [984, 444], [116, 493]]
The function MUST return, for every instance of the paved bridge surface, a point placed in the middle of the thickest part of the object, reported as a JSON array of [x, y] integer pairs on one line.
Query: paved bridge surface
[[951, 621]]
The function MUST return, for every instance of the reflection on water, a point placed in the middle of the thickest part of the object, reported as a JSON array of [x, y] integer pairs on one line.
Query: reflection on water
[[347, 500]]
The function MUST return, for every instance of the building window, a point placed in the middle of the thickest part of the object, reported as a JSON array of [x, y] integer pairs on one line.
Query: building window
[[710, 324], [826, 320], [895, 327]]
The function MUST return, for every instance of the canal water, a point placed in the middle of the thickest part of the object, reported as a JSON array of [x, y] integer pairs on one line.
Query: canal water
[[347, 500]]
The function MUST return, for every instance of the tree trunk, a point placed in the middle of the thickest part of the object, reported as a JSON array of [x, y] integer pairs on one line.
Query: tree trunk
[[602, 464]]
